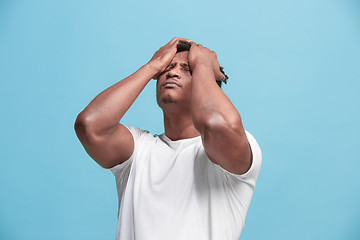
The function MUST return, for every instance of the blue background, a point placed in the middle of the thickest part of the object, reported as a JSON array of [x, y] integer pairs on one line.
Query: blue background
[[294, 69]]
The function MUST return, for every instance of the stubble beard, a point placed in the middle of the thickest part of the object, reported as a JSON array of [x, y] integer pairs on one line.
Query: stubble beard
[[167, 100]]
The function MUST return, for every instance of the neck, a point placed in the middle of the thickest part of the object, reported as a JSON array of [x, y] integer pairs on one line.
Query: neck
[[179, 125]]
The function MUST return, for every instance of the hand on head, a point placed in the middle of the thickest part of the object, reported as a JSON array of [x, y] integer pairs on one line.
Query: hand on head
[[163, 57], [198, 54], [202, 55]]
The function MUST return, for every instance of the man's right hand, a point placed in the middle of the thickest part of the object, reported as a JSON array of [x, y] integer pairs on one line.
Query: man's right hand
[[163, 57]]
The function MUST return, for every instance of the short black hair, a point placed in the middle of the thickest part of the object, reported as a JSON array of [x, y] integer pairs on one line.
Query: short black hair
[[185, 46]]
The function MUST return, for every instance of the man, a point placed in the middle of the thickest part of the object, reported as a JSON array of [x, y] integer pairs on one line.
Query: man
[[196, 180]]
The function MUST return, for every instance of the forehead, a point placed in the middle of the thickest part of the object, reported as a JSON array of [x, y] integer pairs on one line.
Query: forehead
[[181, 57]]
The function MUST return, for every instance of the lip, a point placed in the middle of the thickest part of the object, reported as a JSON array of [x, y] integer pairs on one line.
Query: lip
[[170, 84]]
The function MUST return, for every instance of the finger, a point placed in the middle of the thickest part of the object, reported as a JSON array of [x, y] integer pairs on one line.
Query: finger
[[199, 45], [176, 39], [193, 43], [184, 39], [172, 41], [172, 44], [175, 43]]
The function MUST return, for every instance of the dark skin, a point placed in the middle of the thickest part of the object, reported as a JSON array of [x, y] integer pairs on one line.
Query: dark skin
[[192, 105]]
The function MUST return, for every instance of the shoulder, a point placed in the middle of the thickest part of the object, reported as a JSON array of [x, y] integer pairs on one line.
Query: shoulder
[[137, 132], [255, 149], [140, 138], [141, 135]]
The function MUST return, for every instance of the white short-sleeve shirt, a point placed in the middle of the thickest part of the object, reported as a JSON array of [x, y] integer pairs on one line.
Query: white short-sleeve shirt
[[171, 190]]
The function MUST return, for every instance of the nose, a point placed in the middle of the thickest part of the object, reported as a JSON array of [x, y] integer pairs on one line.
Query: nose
[[173, 73]]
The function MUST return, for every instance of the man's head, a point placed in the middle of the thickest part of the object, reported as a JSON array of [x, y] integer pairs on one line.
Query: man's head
[[174, 83]]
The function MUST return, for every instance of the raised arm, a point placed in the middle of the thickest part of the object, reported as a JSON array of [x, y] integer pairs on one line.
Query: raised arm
[[106, 140], [214, 116]]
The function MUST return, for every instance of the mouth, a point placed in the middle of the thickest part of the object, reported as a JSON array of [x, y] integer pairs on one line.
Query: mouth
[[170, 84]]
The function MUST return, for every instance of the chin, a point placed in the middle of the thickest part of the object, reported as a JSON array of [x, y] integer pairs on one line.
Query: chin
[[167, 100]]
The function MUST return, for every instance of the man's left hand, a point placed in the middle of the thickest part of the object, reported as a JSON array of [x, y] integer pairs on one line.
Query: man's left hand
[[199, 54]]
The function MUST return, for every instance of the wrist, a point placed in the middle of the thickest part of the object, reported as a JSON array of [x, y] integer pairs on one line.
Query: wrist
[[151, 69], [205, 67], [202, 66], [203, 70]]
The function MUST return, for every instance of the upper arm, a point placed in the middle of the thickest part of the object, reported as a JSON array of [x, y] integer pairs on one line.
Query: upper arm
[[228, 147], [109, 148]]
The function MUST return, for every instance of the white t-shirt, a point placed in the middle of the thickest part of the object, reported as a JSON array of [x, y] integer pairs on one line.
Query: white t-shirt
[[171, 190]]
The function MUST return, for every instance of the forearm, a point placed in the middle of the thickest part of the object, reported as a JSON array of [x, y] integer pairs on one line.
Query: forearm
[[106, 109], [210, 107]]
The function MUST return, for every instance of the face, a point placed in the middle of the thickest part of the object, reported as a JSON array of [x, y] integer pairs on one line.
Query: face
[[174, 84]]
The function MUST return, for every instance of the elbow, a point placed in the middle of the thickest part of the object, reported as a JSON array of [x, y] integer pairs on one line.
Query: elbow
[[85, 131], [81, 125]]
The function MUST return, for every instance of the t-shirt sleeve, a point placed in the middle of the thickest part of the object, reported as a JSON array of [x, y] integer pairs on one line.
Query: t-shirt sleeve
[[251, 175], [137, 134]]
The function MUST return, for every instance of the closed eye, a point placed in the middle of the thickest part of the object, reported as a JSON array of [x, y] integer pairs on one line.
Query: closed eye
[[184, 66]]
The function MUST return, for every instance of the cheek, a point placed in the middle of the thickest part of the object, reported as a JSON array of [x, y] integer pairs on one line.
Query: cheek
[[159, 81], [187, 87], [188, 81]]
